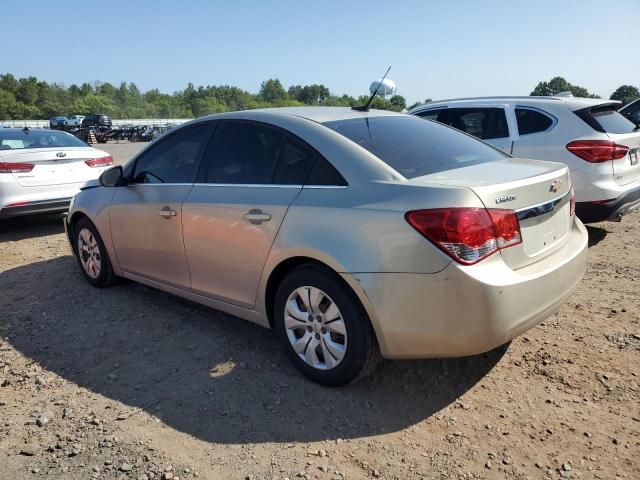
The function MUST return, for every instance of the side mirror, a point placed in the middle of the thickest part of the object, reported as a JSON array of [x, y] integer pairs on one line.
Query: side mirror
[[114, 177]]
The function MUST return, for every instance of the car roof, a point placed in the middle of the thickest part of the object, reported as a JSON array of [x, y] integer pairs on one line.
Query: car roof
[[573, 103], [316, 114]]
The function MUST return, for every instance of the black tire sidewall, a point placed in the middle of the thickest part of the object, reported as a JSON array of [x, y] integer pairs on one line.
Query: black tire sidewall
[[360, 337], [105, 278]]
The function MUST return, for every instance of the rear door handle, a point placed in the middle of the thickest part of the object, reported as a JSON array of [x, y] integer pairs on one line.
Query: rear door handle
[[256, 216], [167, 212]]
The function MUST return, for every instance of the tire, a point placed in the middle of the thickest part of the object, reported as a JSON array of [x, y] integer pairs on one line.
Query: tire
[[341, 359], [91, 253]]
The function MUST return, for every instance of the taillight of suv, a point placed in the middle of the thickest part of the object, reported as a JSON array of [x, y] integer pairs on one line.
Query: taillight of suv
[[597, 151], [467, 235]]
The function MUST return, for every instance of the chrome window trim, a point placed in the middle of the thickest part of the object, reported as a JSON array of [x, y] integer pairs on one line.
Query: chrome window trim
[[158, 184], [240, 185], [246, 185], [542, 208], [554, 119]]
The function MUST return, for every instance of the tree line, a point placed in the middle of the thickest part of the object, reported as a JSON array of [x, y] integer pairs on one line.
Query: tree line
[[31, 99]]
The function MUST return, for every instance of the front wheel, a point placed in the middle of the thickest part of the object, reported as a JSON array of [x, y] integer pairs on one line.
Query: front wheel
[[92, 255], [324, 328]]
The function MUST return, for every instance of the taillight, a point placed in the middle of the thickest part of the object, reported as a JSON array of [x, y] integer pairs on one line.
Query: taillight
[[15, 167], [99, 162], [597, 151], [572, 202], [467, 235]]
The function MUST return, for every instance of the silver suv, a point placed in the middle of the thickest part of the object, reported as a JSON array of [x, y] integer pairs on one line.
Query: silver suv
[[599, 145]]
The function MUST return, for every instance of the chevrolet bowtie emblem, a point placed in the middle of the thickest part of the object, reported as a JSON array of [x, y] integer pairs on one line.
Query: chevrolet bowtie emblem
[[555, 186]]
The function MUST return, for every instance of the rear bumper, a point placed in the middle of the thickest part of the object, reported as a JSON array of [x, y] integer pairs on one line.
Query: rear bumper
[[36, 207], [469, 310], [589, 212]]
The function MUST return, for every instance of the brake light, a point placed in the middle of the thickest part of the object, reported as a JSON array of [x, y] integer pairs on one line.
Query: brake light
[[467, 235], [100, 162], [572, 202], [597, 151], [15, 167]]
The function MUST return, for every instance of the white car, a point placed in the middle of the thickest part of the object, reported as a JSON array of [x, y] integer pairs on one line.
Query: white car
[[75, 120], [41, 170], [599, 145]]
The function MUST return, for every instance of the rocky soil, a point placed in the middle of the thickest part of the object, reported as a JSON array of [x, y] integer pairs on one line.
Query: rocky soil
[[132, 383]]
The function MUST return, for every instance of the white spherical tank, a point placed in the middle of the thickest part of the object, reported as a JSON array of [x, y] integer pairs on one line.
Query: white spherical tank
[[387, 89]]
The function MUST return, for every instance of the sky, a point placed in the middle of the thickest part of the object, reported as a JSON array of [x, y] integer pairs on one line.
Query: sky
[[437, 50]]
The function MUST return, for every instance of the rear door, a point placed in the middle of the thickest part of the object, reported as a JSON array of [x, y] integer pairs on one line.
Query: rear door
[[252, 174], [146, 215]]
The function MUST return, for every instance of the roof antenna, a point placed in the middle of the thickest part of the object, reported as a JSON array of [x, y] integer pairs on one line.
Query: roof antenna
[[365, 107]]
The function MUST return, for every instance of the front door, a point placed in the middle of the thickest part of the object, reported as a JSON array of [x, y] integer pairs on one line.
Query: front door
[[146, 215]]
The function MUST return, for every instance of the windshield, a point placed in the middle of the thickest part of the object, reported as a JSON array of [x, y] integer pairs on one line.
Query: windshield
[[20, 139], [415, 147]]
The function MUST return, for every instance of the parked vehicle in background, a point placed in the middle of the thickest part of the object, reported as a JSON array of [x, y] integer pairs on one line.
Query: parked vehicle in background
[[632, 111], [58, 123], [352, 233], [75, 120], [97, 120], [599, 145], [41, 170]]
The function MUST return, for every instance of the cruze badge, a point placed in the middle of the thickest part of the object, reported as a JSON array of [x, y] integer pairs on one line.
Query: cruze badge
[[505, 198], [61, 154], [555, 186]]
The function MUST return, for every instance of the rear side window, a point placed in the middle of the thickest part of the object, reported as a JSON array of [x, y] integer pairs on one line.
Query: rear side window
[[606, 119], [324, 173], [294, 163], [532, 121], [431, 114], [246, 153], [414, 147], [484, 123], [175, 159]]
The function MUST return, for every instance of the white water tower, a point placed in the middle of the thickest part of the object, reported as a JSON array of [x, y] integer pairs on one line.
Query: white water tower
[[387, 88]]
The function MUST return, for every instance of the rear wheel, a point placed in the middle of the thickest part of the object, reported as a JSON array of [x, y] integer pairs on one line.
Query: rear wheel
[[323, 327], [92, 255]]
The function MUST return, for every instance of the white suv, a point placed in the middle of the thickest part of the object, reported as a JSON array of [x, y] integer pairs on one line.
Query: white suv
[[599, 145]]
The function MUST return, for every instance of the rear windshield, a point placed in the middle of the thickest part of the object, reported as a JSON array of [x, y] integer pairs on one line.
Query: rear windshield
[[606, 119], [415, 147], [19, 139]]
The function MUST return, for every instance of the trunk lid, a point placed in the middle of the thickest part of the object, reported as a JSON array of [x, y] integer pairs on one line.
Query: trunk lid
[[54, 166], [538, 191]]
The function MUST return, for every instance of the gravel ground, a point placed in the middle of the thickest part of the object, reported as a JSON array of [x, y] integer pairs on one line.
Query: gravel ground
[[132, 383]]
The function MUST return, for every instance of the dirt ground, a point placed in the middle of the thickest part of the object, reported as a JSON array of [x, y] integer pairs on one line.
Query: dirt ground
[[132, 383]]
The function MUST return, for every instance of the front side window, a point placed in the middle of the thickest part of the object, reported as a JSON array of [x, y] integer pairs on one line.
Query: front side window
[[175, 159], [531, 121], [244, 153], [414, 147], [484, 123]]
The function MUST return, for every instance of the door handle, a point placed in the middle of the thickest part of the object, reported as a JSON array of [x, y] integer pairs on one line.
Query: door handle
[[167, 212], [256, 216]]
